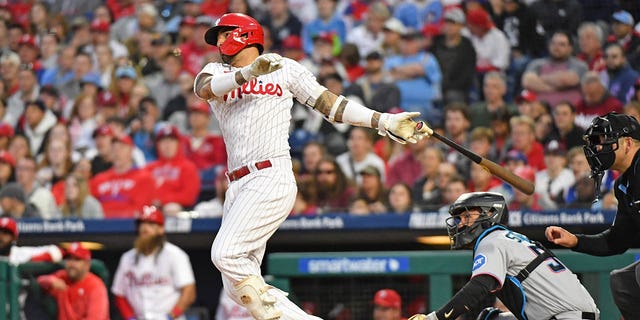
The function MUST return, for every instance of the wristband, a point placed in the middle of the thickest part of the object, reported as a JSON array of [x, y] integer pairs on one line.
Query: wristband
[[175, 312]]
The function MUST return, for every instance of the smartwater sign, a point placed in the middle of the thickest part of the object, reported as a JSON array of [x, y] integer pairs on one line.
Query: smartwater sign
[[353, 265]]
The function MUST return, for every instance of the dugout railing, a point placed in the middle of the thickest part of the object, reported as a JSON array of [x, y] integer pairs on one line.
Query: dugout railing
[[440, 267]]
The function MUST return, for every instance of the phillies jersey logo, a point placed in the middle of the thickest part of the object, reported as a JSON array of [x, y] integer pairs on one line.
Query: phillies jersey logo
[[254, 86], [115, 186], [146, 280]]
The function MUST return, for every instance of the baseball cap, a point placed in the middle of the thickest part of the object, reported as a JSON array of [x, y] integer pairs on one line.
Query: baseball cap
[[526, 96], [126, 72], [100, 25], [76, 250], [430, 30], [395, 25], [292, 42], [387, 298], [554, 148], [188, 21], [623, 17], [455, 14], [200, 106], [28, 40], [150, 214], [324, 36], [479, 17], [205, 21], [6, 130], [13, 191], [7, 158], [168, 132], [92, 78], [104, 130], [78, 22], [515, 155], [10, 225], [374, 55], [123, 139], [411, 34], [370, 170]]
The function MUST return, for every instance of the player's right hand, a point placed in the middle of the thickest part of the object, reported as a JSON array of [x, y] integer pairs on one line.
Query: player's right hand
[[265, 64], [561, 237]]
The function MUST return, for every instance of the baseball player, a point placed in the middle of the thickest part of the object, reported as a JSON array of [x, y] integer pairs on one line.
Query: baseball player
[[527, 277], [154, 280], [251, 94], [18, 255], [612, 142]]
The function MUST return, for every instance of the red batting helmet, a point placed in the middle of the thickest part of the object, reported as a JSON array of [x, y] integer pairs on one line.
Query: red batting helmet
[[151, 214], [10, 225], [242, 25]]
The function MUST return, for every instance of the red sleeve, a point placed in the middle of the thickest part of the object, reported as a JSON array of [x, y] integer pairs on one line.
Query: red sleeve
[[185, 189], [124, 307], [45, 281], [98, 308]]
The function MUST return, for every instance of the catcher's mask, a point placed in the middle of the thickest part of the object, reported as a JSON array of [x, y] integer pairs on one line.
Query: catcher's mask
[[601, 142], [246, 31], [492, 210]]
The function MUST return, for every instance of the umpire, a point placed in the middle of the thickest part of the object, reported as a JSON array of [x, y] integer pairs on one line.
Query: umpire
[[612, 142]]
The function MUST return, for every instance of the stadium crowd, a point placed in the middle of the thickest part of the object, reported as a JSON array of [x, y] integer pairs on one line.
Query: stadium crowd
[[98, 115]]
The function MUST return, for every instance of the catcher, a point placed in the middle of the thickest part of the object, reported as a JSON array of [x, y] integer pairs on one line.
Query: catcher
[[527, 277]]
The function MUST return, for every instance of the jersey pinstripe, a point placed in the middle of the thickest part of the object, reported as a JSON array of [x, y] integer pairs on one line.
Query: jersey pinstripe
[[550, 289], [255, 118]]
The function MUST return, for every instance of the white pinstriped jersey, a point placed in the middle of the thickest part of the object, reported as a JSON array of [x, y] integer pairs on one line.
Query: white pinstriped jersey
[[255, 118], [550, 289]]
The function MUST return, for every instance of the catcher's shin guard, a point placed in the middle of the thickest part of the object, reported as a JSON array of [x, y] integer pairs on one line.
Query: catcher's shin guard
[[252, 292]]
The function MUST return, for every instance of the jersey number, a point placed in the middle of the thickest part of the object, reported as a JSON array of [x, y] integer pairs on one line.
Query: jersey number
[[554, 265]]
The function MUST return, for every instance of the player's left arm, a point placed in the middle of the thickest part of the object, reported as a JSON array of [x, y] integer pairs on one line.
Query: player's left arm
[[187, 297]]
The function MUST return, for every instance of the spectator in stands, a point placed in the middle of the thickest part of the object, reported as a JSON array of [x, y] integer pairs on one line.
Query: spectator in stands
[[456, 57], [481, 143], [565, 130], [481, 180], [56, 163], [78, 202], [360, 155], [79, 294], [417, 75], [406, 167], [18, 254], [555, 15], [62, 72], [306, 198], [454, 188], [619, 77], [633, 109], [623, 33], [596, 100], [213, 208], [156, 269], [38, 122], [123, 189], [19, 146], [36, 194], [349, 57], [494, 89], [176, 177], [335, 190], [101, 156], [49, 51], [82, 65], [175, 111], [195, 50], [543, 124], [6, 134], [14, 204], [369, 35], [125, 80], [372, 189], [553, 182], [425, 187], [119, 128], [312, 153], [82, 122], [100, 35], [165, 85], [205, 149], [7, 166], [519, 25], [328, 20], [387, 305], [521, 200], [10, 66], [491, 45], [584, 188], [392, 30], [590, 40], [456, 123], [523, 139], [29, 52], [359, 207], [105, 64], [281, 22], [144, 126], [28, 91], [375, 87], [557, 77], [399, 199]]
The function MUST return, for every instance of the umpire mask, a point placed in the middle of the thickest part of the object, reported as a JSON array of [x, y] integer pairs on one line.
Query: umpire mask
[[601, 142], [492, 209]]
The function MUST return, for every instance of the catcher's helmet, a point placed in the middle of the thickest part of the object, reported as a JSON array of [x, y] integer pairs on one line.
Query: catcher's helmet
[[493, 210], [150, 214], [242, 26], [9, 225]]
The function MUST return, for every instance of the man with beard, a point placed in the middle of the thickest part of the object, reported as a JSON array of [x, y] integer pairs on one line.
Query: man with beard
[[18, 255], [154, 280], [79, 293], [619, 76]]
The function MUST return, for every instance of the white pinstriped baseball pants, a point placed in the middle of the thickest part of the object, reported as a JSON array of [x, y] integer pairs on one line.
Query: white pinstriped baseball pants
[[254, 208]]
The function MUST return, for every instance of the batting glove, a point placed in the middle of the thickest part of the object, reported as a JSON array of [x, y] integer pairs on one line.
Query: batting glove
[[401, 128], [264, 64], [420, 316]]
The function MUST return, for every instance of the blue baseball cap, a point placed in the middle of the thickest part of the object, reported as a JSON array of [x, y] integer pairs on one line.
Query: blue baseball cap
[[623, 17], [126, 71], [92, 78]]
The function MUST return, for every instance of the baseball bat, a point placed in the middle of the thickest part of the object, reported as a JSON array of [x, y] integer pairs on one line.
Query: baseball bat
[[495, 169]]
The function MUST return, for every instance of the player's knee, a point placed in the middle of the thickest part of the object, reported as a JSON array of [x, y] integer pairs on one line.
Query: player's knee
[[220, 257], [253, 294]]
